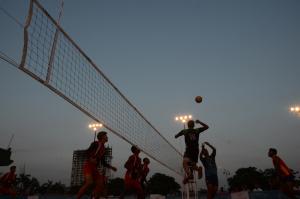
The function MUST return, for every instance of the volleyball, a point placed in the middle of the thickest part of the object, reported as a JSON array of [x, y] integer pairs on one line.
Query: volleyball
[[198, 99]]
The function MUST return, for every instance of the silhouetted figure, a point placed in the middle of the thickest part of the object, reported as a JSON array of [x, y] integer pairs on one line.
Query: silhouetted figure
[[5, 157], [95, 154], [211, 172], [191, 154], [285, 175], [7, 183], [133, 174], [145, 171]]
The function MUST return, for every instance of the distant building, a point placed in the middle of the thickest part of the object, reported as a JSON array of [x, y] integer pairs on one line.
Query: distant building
[[79, 157]]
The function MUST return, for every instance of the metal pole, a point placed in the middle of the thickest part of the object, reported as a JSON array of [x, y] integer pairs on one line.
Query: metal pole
[[11, 139]]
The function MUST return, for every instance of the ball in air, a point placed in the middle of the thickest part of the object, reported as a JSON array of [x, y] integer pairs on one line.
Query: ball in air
[[198, 99]]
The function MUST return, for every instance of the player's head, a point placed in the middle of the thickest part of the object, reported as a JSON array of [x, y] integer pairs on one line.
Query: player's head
[[272, 152], [205, 152], [191, 124], [102, 136], [146, 161], [135, 150], [12, 168]]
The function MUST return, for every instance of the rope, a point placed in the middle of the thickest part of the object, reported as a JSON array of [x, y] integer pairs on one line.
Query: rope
[[12, 17], [60, 11], [9, 60]]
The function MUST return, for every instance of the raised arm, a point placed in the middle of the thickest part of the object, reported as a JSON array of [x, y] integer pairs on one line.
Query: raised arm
[[212, 147], [202, 152], [204, 126], [179, 134]]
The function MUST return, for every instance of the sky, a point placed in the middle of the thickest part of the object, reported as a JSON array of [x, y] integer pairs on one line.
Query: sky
[[241, 56]]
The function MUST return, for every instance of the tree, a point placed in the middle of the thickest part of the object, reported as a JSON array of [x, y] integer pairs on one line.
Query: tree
[[250, 177], [57, 188], [247, 178], [270, 179], [27, 185], [115, 186], [52, 188], [162, 184], [45, 187]]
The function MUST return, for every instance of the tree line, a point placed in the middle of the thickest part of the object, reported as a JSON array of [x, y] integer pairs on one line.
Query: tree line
[[251, 178], [243, 179], [158, 184]]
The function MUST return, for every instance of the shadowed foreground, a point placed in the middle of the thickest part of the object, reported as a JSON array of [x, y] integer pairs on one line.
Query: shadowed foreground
[[252, 195]]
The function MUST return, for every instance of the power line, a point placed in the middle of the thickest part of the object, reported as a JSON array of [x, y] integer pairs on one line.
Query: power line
[[12, 17], [8, 59]]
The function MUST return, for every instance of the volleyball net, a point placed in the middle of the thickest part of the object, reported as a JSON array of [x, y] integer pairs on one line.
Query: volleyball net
[[51, 57]]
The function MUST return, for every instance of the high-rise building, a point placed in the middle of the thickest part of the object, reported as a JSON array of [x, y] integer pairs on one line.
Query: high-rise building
[[79, 157]]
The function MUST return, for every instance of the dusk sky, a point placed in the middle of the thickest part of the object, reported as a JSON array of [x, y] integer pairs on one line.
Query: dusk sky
[[241, 56]]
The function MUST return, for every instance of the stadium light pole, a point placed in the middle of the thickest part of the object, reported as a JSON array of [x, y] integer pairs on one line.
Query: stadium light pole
[[295, 109], [183, 119], [95, 127]]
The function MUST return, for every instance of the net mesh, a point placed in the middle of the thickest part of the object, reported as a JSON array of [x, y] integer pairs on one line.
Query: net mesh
[[54, 59]]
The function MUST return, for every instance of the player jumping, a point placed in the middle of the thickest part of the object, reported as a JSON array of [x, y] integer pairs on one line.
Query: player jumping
[[191, 154]]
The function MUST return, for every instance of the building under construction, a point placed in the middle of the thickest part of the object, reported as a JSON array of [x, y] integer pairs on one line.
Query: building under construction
[[79, 157]]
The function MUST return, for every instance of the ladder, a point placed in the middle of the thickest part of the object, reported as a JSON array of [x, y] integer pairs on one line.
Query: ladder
[[190, 189]]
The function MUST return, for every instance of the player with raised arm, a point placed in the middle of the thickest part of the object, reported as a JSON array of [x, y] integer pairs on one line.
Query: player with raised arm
[[211, 172], [191, 154]]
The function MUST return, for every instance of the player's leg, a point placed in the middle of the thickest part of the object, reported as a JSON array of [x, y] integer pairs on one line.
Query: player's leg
[[88, 182], [215, 190], [99, 186], [287, 186], [198, 169], [127, 186], [136, 185], [187, 169], [289, 189], [88, 172], [209, 191], [212, 186], [194, 160], [9, 191]]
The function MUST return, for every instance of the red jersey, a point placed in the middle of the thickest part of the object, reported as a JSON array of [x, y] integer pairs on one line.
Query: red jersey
[[8, 179], [281, 167], [133, 166], [96, 152]]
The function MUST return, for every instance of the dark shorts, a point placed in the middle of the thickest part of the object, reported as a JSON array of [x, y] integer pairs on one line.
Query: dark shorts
[[289, 178], [192, 155], [212, 179]]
